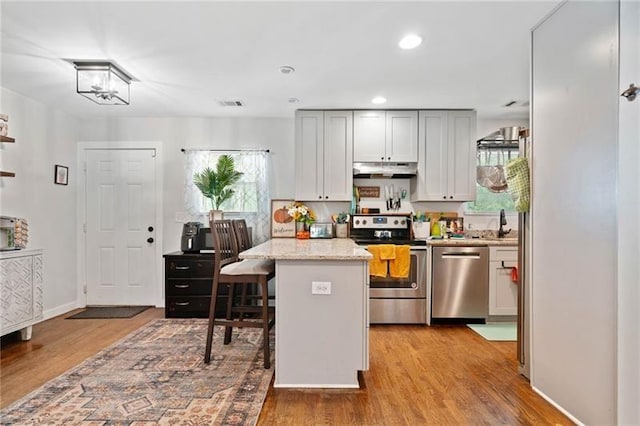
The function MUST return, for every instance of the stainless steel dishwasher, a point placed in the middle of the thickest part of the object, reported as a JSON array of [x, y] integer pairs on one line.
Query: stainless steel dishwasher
[[460, 282]]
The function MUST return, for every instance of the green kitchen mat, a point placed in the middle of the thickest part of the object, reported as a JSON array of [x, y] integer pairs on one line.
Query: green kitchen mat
[[496, 332]]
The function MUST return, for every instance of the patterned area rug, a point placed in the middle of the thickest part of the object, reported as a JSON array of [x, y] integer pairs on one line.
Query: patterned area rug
[[156, 375]]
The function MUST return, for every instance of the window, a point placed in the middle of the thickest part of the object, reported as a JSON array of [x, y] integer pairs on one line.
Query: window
[[250, 200], [491, 189]]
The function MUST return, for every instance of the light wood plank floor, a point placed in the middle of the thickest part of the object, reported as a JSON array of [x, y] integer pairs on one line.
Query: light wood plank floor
[[418, 375]]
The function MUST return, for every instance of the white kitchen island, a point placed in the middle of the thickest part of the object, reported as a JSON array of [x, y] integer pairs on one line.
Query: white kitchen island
[[322, 311]]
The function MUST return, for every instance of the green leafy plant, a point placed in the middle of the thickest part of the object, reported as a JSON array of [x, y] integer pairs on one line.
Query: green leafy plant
[[420, 217], [216, 184], [342, 218]]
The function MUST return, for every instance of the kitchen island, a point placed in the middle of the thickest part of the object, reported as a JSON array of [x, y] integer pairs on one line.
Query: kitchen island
[[322, 309]]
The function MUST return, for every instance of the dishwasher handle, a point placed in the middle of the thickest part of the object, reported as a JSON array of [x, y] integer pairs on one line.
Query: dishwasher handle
[[457, 255]]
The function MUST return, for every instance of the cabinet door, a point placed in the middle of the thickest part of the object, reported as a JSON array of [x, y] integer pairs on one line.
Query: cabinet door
[[503, 293], [338, 155], [401, 136], [16, 292], [430, 183], [461, 175], [369, 136], [309, 155]]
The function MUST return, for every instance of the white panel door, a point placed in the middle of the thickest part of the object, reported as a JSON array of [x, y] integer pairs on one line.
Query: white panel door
[[120, 197]]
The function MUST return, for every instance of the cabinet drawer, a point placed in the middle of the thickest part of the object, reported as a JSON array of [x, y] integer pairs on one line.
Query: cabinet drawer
[[498, 253], [193, 307], [189, 287], [189, 268]]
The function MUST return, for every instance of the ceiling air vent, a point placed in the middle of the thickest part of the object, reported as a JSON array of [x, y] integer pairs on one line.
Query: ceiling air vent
[[234, 103]]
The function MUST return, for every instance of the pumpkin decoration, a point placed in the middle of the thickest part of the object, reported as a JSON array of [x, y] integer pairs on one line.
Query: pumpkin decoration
[[282, 215]]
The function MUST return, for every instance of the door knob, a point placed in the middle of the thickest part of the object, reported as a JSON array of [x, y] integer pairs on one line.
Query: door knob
[[150, 229], [150, 239]]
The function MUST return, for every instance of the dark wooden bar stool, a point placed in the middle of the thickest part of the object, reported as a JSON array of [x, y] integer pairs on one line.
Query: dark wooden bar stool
[[231, 272]]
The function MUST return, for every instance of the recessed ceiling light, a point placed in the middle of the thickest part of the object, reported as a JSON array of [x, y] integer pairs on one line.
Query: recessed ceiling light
[[410, 41], [286, 69], [379, 100]]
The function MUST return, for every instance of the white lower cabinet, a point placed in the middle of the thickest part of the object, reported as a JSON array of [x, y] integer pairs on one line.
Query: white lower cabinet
[[503, 292], [20, 291]]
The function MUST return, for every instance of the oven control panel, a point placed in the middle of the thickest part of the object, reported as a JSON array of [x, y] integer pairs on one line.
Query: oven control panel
[[380, 222]]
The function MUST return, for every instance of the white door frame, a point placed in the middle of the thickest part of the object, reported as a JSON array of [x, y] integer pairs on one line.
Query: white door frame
[[158, 293]]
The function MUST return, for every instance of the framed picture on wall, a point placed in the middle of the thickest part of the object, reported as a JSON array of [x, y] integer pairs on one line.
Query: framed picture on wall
[[282, 225], [61, 175]]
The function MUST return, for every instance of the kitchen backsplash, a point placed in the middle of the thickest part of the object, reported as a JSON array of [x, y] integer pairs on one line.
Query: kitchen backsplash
[[475, 221]]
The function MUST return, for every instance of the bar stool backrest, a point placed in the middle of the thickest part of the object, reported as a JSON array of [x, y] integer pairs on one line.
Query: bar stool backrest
[[224, 243], [242, 235]]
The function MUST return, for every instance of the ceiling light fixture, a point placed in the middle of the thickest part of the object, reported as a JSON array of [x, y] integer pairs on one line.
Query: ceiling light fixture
[[379, 100], [293, 100], [410, 41], [286, 69], [102, 82]]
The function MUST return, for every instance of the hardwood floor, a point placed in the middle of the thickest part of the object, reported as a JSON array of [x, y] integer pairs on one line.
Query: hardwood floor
[[418, 375]]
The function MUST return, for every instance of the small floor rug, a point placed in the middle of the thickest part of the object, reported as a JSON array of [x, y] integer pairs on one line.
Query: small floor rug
[[98, 312], [496, 332], [156, 375]]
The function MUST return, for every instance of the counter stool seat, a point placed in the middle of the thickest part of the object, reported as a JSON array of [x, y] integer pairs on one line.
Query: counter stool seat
[[231, 272]]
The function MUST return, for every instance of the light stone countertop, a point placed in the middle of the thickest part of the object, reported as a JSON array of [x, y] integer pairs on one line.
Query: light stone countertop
[[294, 249]]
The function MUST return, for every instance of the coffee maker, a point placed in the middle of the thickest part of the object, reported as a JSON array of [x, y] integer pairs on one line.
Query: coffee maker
[[195, 238]]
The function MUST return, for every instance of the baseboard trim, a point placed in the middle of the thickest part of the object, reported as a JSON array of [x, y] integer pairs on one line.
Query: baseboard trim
[[552, 402], [59, 310]]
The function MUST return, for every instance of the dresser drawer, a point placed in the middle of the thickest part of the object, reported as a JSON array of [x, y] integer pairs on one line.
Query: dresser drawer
[[189, 287], [176, 267]]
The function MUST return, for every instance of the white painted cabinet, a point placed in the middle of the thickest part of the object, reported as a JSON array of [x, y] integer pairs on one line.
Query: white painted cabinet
[[324, 155], [20, 291], [446, 156], [385, 136], [503, 292]]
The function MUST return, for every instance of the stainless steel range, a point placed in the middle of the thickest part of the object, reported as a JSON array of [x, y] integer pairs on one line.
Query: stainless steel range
[[394, 300]]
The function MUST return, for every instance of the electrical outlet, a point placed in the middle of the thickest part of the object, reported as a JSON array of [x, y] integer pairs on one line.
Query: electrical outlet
[[320, 287]]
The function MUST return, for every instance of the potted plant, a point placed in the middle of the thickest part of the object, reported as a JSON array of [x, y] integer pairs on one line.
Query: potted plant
[[342, 225], [216, 185], [420, 225]]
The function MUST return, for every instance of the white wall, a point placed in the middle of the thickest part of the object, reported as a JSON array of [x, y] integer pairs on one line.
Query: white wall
[[44, 137], [275, 134]]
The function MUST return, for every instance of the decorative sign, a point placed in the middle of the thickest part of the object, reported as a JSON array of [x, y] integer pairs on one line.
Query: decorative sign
[[369, 191], [282, 225]]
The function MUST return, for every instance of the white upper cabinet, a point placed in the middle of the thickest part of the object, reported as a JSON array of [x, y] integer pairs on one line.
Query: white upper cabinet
[[324, 155], [385, 136], [446, 156]]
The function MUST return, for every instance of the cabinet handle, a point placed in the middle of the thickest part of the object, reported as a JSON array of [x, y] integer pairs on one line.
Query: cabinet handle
[[444, 198], [451, 197], [319, 197], [182, 303], [181, 286], [382, 158], [505, 266], [389, 158], [182, 268], [326, 197]]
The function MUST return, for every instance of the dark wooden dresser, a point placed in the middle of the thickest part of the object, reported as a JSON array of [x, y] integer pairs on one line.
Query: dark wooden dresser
[[188, 278]]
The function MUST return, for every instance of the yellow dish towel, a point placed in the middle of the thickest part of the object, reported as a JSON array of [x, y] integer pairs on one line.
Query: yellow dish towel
[[377, 266], [399, 267], [387, 251]]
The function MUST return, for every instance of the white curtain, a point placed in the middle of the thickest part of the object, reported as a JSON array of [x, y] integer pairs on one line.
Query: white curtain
[[251, 200]]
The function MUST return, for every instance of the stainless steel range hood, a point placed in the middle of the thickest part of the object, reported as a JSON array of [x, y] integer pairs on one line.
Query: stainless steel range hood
[[384, 170]]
